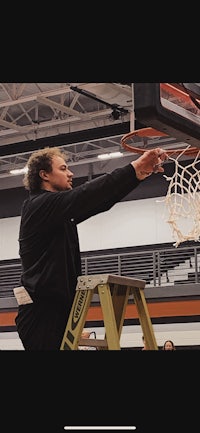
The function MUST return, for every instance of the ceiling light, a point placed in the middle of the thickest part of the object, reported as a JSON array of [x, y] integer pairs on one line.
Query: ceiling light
[[19, 171], [110, 155]]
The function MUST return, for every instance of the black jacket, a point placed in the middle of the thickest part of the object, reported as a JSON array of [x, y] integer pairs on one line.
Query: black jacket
[[48, 239]]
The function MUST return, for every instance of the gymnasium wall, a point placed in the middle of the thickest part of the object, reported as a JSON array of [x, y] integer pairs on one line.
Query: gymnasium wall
[[129, 223]]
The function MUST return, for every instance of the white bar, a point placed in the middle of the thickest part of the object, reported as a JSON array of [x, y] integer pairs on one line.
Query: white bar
[[100, 428]]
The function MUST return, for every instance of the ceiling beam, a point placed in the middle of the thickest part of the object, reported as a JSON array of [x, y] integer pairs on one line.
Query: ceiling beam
[[62, 108], [65, 139], [14, 126]]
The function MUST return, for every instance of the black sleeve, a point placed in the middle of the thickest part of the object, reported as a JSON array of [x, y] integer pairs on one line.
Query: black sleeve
[[112, 195], [84, 201]]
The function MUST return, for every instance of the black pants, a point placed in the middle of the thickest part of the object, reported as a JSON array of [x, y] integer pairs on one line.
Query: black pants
[[41, 326]]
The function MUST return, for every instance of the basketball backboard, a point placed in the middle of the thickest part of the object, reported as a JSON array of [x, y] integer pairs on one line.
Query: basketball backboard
[[172, 108]]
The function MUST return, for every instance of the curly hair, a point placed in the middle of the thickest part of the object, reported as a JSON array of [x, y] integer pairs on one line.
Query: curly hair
[[40, 160]]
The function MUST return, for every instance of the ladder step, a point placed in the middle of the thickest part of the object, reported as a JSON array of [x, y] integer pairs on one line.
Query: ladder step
[[94, 342]]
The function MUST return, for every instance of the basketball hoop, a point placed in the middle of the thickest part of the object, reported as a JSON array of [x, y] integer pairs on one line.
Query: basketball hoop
[[150, 133], [183, 195]]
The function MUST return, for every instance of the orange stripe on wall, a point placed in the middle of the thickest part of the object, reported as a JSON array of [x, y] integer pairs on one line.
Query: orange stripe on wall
[[7, 318], [158, 309]]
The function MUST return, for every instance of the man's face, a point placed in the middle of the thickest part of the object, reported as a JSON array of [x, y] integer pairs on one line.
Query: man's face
[[60, 178]]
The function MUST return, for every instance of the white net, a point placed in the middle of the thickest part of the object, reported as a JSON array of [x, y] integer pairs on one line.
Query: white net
[[183, 200]]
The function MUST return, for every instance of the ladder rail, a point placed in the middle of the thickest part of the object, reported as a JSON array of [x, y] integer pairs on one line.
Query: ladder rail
[[114, 292]]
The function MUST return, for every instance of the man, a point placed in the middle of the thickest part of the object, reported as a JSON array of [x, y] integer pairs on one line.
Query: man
[[48, 239]]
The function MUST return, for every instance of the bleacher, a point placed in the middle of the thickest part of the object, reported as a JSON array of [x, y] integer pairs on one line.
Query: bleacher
[[159, 266], [10, 272]]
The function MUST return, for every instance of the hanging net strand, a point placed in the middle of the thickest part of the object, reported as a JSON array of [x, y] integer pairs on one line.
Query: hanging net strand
[[182, 200]]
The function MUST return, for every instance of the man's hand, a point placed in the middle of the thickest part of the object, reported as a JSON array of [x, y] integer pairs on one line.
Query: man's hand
[[149, 162]]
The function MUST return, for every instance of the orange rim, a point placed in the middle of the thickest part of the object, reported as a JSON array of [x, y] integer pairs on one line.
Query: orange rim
[[151, 132]]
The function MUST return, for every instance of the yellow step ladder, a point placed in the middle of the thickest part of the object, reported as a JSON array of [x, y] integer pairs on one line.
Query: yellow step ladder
[[114, 292]]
